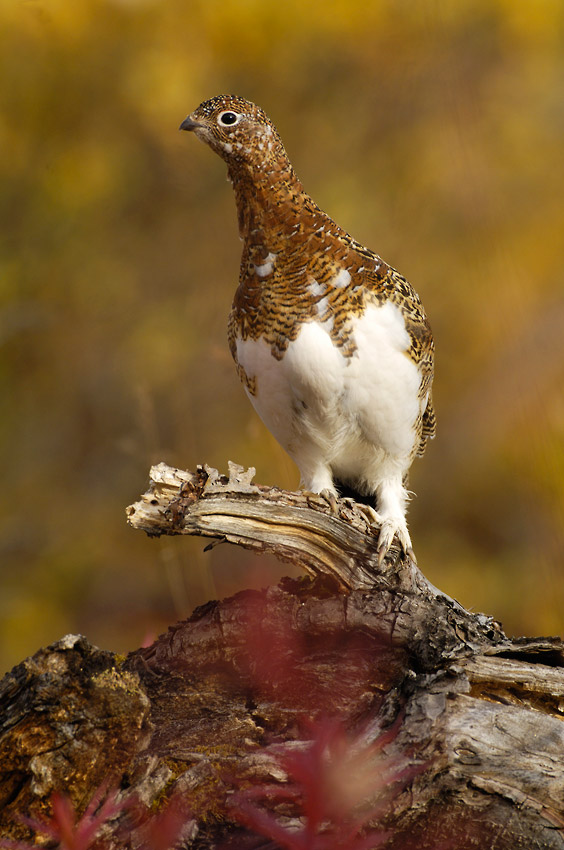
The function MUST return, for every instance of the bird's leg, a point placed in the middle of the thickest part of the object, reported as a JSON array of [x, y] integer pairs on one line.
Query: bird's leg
[[317, 478], [392, 498]]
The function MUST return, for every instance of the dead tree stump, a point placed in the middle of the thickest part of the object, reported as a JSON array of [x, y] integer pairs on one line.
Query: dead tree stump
[[462, 726]]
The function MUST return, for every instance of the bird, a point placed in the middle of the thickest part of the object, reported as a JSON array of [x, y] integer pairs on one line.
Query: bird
[[331, 343]]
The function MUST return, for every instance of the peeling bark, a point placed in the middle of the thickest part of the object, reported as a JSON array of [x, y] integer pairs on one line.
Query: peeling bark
[[478, 718]]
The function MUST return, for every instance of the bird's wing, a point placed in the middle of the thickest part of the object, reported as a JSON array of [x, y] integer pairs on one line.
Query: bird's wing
[[385, 283]]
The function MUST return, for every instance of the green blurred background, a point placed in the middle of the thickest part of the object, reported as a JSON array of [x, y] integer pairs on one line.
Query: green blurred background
[[433, 131]]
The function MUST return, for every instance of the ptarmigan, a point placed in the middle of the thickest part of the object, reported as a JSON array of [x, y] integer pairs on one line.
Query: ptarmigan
[[332, 344]]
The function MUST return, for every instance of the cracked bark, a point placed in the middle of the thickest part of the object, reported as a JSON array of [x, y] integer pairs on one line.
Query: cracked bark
[[206, 708]]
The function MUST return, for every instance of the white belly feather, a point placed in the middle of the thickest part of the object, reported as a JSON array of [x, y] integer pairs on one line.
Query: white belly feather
[[354, 416]]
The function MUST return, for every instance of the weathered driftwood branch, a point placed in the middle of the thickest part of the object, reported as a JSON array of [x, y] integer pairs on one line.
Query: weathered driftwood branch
[[301, 528], [297, 527], [478, 718]]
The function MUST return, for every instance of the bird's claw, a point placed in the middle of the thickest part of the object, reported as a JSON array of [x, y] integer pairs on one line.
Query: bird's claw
[[382, 551], [370, 514], [331, 500], [411, 555], [390, 529]]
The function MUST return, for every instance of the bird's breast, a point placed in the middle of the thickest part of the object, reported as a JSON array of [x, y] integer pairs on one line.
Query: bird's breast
[[312, 384], [279, 293]]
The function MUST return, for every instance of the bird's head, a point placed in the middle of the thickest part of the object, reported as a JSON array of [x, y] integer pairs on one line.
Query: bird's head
[[236, 129]]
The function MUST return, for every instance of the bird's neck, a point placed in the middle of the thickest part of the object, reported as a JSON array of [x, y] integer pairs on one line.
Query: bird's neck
[[269, 198]]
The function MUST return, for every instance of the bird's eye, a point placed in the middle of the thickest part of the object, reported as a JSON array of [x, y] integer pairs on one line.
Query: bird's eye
[[228, 118]]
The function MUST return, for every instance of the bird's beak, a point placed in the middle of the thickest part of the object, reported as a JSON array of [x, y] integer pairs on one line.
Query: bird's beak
[[189, 124]]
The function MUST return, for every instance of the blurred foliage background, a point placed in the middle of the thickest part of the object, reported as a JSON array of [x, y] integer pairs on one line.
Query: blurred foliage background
[[432, 131]]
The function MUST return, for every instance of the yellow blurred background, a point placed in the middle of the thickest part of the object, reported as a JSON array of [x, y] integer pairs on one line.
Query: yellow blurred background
[[432, 131]]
